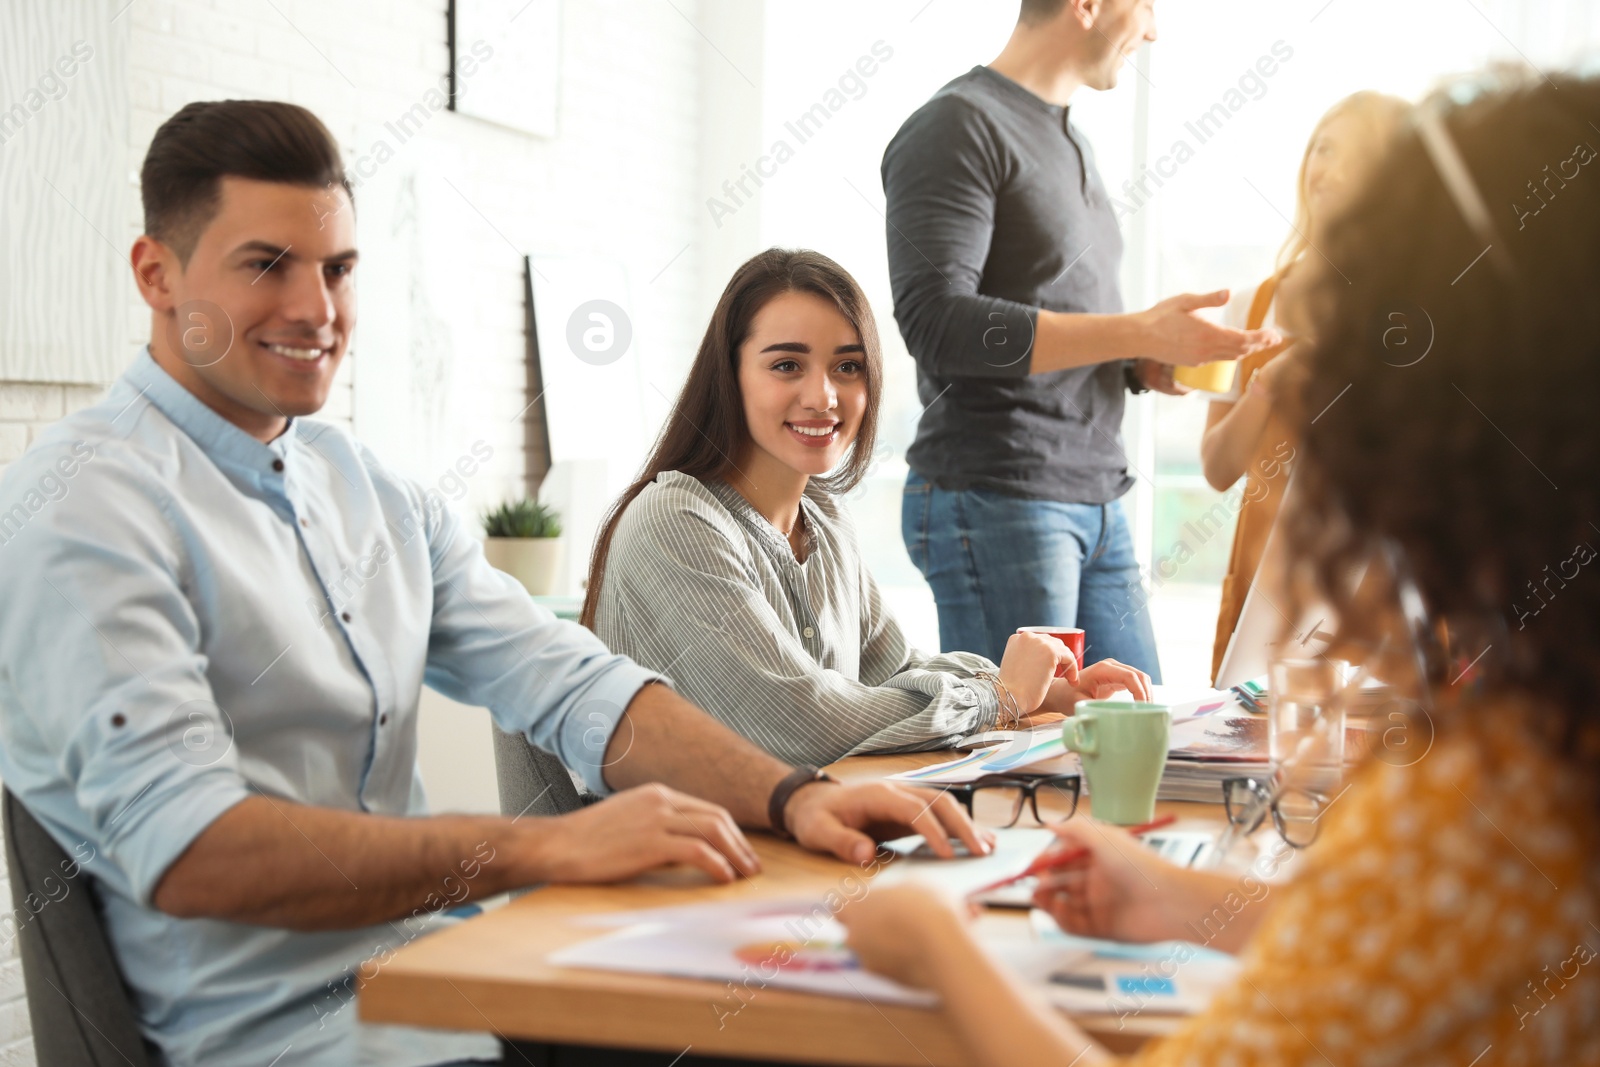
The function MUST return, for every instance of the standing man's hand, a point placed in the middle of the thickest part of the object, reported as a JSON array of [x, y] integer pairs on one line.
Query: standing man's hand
[[1173, 333], [849, 819]]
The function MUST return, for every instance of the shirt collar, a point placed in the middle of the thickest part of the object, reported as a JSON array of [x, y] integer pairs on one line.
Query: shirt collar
[[771, 538], [218, 438], [1026, 96]]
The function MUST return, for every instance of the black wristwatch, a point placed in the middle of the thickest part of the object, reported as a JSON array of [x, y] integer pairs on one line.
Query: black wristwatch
[[785, 789], [1131, 376]]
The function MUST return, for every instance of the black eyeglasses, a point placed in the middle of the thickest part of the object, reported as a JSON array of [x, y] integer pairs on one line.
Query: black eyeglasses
[[1024, 792], [1295, 812]]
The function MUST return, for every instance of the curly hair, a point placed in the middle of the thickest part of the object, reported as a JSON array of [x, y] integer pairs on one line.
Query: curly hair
[[1450, 402]]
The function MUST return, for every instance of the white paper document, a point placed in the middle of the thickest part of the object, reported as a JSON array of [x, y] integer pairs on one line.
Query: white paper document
[[783, 944]]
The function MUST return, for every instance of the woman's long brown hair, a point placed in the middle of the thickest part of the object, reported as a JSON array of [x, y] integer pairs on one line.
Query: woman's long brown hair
[[706, 431]]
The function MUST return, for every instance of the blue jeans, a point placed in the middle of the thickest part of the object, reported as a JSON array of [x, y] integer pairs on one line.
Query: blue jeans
[[997, 562]]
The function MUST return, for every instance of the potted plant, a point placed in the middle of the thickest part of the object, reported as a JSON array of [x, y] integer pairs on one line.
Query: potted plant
[[524, 540]]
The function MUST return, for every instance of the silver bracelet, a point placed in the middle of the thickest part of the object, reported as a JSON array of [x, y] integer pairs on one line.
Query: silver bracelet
[[1004, 699]]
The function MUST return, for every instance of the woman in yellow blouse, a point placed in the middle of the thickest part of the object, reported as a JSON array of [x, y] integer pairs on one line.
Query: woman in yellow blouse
[[1245, 435], [1449, 912]]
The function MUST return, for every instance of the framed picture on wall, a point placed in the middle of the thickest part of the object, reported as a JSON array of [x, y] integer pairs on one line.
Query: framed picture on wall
[[505, 62]]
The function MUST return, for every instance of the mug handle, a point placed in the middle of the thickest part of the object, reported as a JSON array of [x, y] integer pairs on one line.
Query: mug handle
[[1080, 737]]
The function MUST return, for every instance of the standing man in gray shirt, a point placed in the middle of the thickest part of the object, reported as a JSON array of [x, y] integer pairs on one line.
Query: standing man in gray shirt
[[1003, 258]]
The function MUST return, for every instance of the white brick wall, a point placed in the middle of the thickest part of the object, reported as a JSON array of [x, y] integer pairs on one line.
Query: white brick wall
[[28, 407], [621, 180]]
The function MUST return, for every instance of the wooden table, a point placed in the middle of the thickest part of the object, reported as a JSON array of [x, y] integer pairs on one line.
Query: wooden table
[[489, 974]]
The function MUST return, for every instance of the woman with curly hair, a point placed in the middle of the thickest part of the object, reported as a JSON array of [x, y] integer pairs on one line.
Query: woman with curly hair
[[1449, 911]]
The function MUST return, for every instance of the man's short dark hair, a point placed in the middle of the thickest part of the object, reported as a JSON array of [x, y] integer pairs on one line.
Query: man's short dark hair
[[265, 140], [1034, 11]]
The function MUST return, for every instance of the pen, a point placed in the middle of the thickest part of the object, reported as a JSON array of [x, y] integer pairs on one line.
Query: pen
[[1049, 862]]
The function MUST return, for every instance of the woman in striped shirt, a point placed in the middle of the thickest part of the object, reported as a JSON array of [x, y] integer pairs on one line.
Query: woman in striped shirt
[[732, 566]]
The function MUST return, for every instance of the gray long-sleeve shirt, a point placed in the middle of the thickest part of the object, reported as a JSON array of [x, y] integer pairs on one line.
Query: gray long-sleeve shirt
[[801, 658], [995, 210]]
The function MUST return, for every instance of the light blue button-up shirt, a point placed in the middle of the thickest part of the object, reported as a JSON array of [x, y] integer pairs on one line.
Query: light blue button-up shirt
[[189, 617]]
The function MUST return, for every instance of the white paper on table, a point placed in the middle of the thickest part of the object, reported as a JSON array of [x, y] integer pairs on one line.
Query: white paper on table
[[1014, 849], [1081, 974], [800, 947], [1046, 755]]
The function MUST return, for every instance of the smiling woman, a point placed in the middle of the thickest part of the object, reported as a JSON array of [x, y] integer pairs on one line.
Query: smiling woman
[[732, 565]]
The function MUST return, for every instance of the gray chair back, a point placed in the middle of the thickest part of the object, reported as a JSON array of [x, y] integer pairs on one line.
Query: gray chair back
[[531, 780], [77, 1002]]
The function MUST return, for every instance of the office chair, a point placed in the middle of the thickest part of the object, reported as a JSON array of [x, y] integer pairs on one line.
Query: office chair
[[78, 1005], [531, 781]]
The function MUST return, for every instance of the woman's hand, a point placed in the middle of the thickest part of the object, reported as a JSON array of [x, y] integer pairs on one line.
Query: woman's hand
[[1273, 378], [893, 927], [921, 938], [1095, 682], [1121, 890], [1029, 667], [1109, 676]]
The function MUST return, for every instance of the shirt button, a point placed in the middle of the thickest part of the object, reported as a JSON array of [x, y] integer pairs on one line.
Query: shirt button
[[306, 523], [809, 632], [345, 615], [277, 464], [383, 719]]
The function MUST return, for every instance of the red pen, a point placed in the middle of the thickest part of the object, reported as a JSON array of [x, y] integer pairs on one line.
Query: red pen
[[1049, 862]]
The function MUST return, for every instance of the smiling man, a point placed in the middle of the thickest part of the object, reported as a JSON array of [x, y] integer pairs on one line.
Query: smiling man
[[1003, 258], [245, 770]]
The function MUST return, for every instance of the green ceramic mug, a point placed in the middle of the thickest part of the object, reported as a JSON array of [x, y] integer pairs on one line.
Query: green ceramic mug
[[1123, 745]]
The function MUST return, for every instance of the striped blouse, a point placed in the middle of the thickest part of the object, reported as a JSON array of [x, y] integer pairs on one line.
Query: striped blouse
[[801, 658]]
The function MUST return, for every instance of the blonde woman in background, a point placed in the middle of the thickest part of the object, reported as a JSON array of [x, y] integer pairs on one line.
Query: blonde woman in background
[[1245, 433]]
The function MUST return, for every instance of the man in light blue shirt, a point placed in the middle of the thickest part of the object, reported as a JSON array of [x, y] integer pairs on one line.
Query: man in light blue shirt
[[217, 617]]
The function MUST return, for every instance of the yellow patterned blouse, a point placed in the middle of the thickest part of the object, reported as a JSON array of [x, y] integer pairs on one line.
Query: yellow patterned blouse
[[1446, 916]]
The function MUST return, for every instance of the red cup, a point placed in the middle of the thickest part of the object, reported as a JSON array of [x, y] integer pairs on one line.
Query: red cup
[[1070, 636]]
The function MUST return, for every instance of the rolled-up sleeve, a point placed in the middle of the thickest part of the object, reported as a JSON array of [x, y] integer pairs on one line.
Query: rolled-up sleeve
[[103, 668], [941, 176], [550, 680]]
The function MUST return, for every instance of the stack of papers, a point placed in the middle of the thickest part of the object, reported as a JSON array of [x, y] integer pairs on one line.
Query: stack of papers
[[1039, 751], [1213, 738], [1210, 746]]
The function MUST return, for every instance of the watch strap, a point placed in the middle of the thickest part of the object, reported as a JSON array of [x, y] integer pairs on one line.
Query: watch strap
[[785, 789]]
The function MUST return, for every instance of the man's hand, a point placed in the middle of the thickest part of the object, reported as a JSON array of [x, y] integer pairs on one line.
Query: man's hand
[[849, 819], [1157, 377], [637, 830], [1173, 333]]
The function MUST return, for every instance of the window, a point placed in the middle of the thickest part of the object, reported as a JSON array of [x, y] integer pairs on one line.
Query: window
[[1215, 220]]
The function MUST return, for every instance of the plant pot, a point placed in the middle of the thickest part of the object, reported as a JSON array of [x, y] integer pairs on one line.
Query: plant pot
[[533, 561]]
